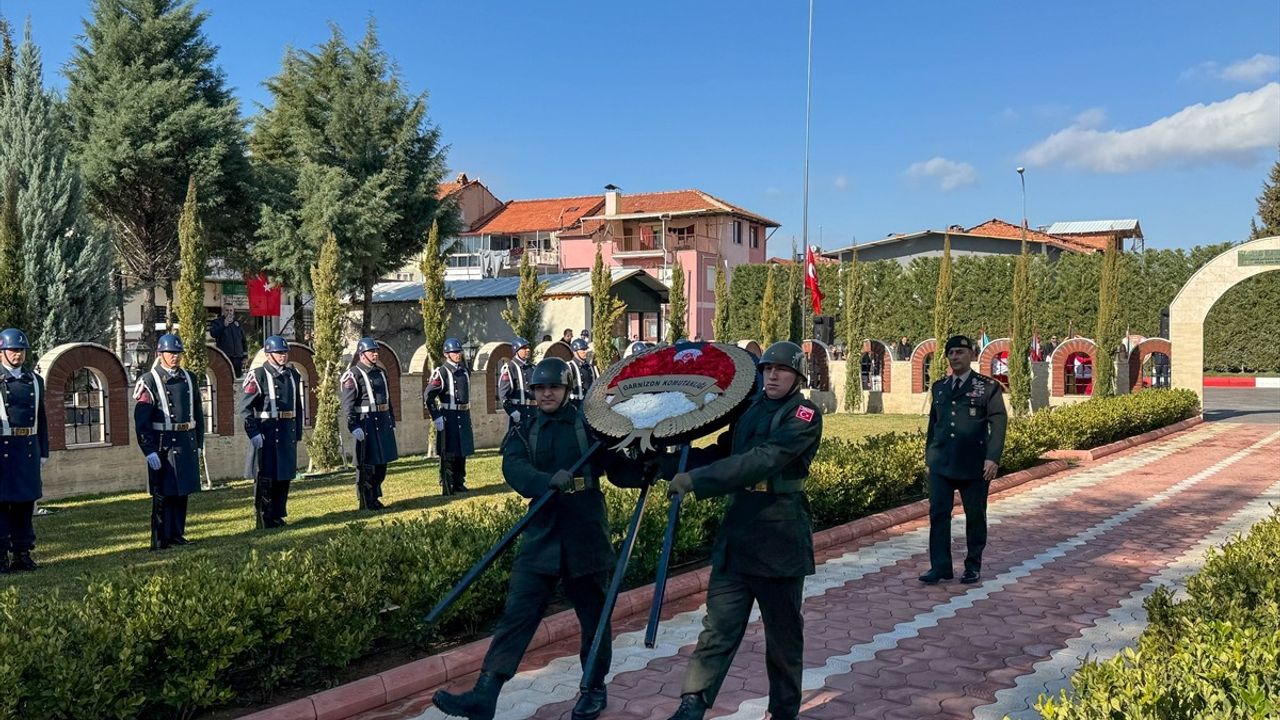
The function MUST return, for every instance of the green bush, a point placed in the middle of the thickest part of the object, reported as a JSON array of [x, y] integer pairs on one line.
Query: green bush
[[146, 644], [1215, 654]]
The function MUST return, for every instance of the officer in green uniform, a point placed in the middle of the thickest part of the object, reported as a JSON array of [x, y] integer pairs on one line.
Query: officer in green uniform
[[967, 421], [764, 548], [567, 542]]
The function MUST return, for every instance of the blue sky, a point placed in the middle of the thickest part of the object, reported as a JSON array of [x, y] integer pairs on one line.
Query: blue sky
[[1168, 112]]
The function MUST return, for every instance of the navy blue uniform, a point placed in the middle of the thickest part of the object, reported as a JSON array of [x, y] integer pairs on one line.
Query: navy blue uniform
[[584, 376], [271, 406], [169, 421], [966, 428], [448, 396], [366, 403], [513, 388], [24, 441]]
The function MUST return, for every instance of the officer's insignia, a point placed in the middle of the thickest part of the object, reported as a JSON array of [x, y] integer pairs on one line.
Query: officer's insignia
[[142, 394], [805, 413], [348, 380]]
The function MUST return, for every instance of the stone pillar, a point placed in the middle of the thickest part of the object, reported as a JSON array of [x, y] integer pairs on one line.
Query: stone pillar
[[1122, 375], [1039, 385]]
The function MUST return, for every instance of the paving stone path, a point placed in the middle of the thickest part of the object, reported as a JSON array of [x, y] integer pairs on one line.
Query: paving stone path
[[1070, 559]]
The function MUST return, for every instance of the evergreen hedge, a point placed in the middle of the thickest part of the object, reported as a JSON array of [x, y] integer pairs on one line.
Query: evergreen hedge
[[1215, 654], [141, 643]]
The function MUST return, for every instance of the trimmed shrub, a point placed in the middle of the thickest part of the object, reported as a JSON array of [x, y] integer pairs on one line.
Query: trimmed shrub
[[1105, 420]]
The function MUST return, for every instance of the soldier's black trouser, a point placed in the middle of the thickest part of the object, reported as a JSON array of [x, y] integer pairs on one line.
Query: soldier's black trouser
[[527, 597], [17, 534], [168, 519], [729, 600], [369, 483], [453, 471], [973, 496], [271, 499]]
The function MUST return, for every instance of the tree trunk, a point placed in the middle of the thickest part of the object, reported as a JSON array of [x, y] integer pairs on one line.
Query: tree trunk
[[171, 307], [119, 283], [299, 320], [147, 337], [366, 311]]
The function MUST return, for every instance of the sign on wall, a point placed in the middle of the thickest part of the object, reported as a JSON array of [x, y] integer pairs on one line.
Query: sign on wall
[[1257, 257]]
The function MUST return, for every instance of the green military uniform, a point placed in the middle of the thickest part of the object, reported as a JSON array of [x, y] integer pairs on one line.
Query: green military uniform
[[764, 548], [967, 422], [566, 542]]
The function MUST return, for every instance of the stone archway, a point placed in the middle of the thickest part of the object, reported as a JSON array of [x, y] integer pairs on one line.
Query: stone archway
[[59, 364], [1193, 302], [226, 394], [1142, 351], [819, 356], [997, 349], [884, 381], [1067, 351], [920, 359]]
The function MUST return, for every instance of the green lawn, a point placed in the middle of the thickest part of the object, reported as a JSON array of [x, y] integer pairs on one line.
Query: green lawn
[[95, 534]]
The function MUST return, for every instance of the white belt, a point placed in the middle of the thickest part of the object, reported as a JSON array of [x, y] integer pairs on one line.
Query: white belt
[[173, 427], [18, 432], [278, 415]]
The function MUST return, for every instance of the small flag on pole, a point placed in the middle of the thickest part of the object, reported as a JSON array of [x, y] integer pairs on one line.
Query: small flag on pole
[[811, 279]]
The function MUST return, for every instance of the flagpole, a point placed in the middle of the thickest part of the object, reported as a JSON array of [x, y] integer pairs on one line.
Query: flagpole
[[808, 95]]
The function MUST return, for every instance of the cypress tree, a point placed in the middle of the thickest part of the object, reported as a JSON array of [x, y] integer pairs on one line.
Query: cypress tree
[[854, 319], [322, 449], [746, 295], [1108, 331], [435, 315], [720, 322], [605, 311], [189, 299], [525, 318], [678, 311], [1020, 337], [13, 300], [943, 313], [769, 310], [1268, 206], [7, 57]]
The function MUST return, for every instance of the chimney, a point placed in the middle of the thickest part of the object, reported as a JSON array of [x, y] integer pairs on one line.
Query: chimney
[[612, 199]]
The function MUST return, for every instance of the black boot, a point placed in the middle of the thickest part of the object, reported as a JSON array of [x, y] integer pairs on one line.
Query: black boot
[[22, 561], [591, 702], [478, 704], [692, 707]]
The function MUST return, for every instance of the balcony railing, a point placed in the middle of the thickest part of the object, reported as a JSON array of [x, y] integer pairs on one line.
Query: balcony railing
[[642, 245]]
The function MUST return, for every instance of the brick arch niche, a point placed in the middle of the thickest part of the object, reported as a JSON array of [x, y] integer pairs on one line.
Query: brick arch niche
[[59, 364], [874, 348], [489, 361], [819, 356], [1062, 354], [1139, 355], [920, 358], [222, 384], [995, 350]]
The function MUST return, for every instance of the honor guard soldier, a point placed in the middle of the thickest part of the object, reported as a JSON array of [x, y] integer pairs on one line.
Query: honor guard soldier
[[963, 444], [584, 373], [168, 418], [366, 401], [567, 542], [448, 401], [271, 408], [514, 392], [764, 548], [24, 449]]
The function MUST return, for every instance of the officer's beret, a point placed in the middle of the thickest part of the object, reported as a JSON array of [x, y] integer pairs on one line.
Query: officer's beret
[[959, 341]]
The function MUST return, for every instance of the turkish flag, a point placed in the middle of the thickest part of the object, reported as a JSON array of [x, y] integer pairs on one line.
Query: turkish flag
[[811, 280], [264, 297]]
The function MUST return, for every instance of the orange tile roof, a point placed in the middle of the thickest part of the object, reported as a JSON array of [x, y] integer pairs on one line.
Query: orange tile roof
[[995, 227], [546, 215], [684, 201]]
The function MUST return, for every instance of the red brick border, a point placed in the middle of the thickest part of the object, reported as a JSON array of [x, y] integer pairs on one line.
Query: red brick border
[[225, 390], [918, 358], [1140, 353], [1058, 362], [304, 357], [116, 391]]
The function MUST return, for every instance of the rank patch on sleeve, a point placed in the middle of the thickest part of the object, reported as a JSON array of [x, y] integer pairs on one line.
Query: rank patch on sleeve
[[804, 413], [141, 393]]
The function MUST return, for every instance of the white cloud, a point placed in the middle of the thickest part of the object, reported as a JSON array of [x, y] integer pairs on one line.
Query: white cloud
[[1256, 69], [841, 182], [1091, 118], [1232, 130], [951, 175]]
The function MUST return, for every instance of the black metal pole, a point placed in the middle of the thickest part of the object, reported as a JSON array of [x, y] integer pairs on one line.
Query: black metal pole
[[664, 560], [501, 546], [624, 555]]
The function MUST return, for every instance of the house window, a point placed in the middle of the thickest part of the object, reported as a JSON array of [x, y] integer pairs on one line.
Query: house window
[[737, 232], [209, 404], [755, 236], [84, 402]]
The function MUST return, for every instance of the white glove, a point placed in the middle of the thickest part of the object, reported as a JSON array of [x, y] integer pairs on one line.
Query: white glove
[[440, 424], [358, 434], [515, 416], [153, 461], [43, 460], [256, 440]]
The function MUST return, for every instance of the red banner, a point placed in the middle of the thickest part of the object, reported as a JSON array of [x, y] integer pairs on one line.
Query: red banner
[[264, 297], [811, 280]]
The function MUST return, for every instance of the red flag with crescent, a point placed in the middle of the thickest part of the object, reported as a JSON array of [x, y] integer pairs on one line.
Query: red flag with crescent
[[811, 280]]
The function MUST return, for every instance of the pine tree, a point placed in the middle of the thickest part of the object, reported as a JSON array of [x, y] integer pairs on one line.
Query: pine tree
[[943, 312], [678, 312], [769, 310], [721, 320], [605, 311], [343, 148], [64, 262], [13, 301], [7, 57], [854, 321], [323, 446], [1268, 207], [435, 315], [189, 292], [1108, 332], [149, 109], [1020, 337], [525, 318]]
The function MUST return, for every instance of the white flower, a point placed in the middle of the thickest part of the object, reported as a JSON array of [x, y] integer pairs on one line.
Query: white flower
[[649, 409]]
